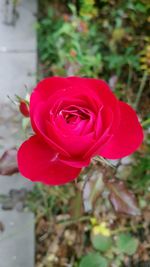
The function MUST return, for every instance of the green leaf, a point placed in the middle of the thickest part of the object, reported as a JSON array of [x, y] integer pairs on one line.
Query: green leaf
[[127, 244], [101, 242], [93, 260], [141, 7]]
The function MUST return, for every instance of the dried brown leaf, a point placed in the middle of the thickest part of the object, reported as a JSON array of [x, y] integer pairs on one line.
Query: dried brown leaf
[[92, 190], [8, 162], [123, 200]]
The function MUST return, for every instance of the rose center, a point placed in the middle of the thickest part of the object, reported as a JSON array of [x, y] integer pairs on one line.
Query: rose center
[[74, 116]]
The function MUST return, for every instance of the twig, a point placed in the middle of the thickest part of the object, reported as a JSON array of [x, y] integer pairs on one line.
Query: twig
[[146, 122], [103, 161], [124, 229], [129, 82], [73, 221], [140, 91]]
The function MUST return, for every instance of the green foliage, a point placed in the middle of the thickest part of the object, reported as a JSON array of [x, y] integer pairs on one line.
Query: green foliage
[[127, 244], [93, 260], [49, 200], [111, 250], [116, 62], [101, 242], [69, 46], [88, 8], [140, 177], [88, 46]]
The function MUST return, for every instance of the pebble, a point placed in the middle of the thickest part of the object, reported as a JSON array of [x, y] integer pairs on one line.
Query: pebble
[[114, 162], [19, 206], [126, 160], [8, 205], [123, 172]]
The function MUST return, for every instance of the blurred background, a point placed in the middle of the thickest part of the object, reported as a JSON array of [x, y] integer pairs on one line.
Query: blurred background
[[103, 218]]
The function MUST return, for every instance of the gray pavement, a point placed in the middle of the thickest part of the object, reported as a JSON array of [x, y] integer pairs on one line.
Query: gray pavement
[[16, 239], [14, 182], [17, 72], [18, 59], [21, 36], [17, 49]]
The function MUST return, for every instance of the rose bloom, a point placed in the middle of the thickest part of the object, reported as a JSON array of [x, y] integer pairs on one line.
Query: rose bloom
[[75, 119]]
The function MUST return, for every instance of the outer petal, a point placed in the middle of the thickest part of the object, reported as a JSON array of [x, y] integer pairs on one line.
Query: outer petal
[[38, 162], [77, 163], [95, 88], [49, 86], [128, 137]]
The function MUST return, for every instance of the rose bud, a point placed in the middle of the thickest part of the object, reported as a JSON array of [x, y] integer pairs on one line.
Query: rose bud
[[75, 119], [24, 108]]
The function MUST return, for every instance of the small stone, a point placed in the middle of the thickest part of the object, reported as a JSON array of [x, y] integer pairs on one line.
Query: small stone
[[114, 162], [19, 206], [2, 227], [123, 172], [126, 160], [18, 195], [70, 237], [52, 258], [8, 204]]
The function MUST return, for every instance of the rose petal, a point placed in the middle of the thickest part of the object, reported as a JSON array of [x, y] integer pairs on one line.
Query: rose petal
[[128, 137], [62, 89], [95, 89], [75, 145], [49, 86], [76, 162], [39, 123], [38, 162], [107, 119]]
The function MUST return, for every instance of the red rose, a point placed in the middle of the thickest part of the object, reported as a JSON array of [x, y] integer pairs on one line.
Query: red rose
[[75, 119]]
